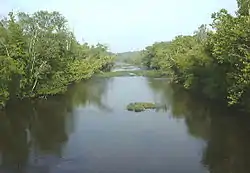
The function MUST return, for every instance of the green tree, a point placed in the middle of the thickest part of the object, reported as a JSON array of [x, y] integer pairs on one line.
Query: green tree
[[243, 7], [39, 55]]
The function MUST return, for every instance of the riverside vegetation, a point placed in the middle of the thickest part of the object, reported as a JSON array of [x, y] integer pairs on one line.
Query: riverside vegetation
[[214, 61], [140, 106], [40, 56]]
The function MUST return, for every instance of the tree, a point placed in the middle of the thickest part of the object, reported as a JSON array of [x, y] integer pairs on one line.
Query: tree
[[43, 56], [216, 62], [243, 7]]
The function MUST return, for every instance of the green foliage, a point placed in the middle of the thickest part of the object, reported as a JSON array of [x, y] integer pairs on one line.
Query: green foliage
[[39, 55], [214, 62], [8, 67], [140, 106], [130, 57], [230, 47], [244, 7]]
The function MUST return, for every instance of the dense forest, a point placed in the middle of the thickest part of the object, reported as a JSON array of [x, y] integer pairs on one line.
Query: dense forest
[[214, 61], [40, 56]]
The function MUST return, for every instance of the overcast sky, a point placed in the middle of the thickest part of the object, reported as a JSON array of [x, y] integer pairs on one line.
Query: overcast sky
[[127, 25]]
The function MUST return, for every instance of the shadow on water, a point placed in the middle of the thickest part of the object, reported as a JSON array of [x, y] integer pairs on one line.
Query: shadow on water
[[226, 133]]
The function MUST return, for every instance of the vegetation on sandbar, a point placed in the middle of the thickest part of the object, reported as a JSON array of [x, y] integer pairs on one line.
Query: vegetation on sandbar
[[140, 106]]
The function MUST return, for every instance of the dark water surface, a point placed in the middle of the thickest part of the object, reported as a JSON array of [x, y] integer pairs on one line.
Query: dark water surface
[[89, 130]]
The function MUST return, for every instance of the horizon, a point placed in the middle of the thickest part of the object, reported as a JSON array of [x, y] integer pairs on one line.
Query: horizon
[[127, 26]]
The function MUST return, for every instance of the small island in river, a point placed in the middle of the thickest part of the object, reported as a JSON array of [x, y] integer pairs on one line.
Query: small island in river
[[140, 106]]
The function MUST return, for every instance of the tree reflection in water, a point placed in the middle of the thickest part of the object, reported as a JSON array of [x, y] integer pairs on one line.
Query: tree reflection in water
[[90, 92], [227, 134], [27, 130], [33, 133]]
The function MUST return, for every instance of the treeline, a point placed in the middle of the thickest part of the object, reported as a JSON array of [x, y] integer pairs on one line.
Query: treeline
[[215, 62], [133, 57], [39, 55]]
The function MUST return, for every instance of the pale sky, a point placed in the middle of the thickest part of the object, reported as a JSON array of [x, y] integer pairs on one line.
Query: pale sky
[[127, 25]]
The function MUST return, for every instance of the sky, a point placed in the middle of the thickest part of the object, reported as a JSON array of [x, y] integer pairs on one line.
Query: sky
[[127, 25]]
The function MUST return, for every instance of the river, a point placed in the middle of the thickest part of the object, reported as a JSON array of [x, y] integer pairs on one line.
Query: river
[[88, 129]]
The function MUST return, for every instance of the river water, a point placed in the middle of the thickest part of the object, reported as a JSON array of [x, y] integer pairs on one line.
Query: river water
[[88, 129]]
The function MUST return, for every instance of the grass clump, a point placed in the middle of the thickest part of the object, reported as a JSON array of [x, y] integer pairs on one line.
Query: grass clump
[[140, 106]]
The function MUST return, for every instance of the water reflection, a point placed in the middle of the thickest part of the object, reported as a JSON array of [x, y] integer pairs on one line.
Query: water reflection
[[32, 131], [35, 135], [227, 134], [27, 128], [48, 126], [196, 112], [228, 145], [14, 145], [91, 92], [162, 92]]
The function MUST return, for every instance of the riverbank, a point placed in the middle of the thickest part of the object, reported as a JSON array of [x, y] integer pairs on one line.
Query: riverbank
[[45, 93]]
